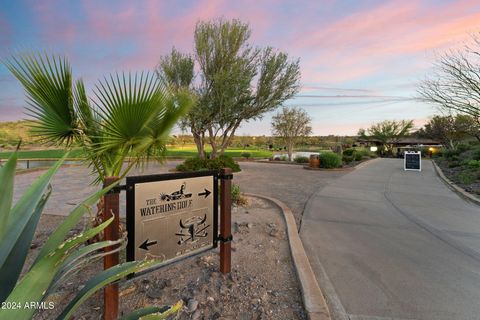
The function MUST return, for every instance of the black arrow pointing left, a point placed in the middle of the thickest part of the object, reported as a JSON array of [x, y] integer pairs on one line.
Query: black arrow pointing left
[[206, 193], [147, 244]]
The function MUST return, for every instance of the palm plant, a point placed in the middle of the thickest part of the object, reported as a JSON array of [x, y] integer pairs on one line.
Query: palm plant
[[129, 117], [58, 257]]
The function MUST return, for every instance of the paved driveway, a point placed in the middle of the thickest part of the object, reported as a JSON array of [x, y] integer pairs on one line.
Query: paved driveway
[[390, 244]]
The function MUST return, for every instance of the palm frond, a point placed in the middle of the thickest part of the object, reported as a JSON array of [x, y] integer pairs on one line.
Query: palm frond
[[136, 114], [47, 81], [89, 120]]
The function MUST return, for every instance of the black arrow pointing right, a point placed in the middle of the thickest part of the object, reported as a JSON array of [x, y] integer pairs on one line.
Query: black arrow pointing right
[[147, 244], [206, 193]]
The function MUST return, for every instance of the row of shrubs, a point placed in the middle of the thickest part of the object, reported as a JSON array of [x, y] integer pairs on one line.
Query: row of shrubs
[[349, 155], [197, 164], [327, 160]]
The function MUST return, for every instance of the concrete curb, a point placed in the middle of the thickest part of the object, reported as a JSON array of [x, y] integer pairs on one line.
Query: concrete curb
[[462, 193], [313, 298]]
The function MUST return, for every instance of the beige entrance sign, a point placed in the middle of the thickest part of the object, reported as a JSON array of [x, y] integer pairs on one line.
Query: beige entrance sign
[[173, 217]]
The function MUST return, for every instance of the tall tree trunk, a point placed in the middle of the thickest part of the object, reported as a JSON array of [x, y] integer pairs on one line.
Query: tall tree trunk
[[213, 144], [199, 140], [226, 138], [290, 150]]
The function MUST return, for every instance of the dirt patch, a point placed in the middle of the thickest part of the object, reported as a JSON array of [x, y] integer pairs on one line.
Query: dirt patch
[[262, 284]]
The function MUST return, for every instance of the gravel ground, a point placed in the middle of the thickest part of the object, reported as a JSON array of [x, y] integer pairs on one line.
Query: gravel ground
[[262, 284]]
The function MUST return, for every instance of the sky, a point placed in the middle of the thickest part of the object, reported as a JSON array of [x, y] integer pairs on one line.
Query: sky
[[361, 60]]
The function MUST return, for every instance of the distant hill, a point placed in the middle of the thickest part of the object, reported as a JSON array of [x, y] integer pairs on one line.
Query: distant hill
[[12, 132]]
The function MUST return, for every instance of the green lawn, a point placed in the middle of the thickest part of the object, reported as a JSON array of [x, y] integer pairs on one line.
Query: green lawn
[[180, 152]]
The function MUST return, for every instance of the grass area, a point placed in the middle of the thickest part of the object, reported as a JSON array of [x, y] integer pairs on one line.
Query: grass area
[[12, 132], [180, 152]]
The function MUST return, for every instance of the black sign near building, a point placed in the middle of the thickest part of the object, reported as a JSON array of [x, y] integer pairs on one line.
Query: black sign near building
[[413, 161], [171, 216]]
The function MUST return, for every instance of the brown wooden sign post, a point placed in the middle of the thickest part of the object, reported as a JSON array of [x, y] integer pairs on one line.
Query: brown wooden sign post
[[226, 220], [111, 205]]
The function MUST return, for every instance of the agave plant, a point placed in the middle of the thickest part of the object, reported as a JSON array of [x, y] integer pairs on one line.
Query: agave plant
[[57, 257], [129, 117]]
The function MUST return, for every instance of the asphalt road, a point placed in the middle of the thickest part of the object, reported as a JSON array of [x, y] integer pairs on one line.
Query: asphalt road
[[390, 244]]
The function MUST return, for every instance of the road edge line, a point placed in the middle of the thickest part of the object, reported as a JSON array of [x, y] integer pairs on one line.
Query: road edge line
[[462, 193], [312, 296]]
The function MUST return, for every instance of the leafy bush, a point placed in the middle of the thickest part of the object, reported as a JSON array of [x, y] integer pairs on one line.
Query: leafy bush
[[197, 164], [348, 152], [364, 152], [357, 156], [476, 154], [330, 160], [454, 164], [474, 164], [451, 153], [246, 155], [347, 159], [438, 154], [283, 158], [463, 147], [301, 159], [57, 257], [466, 177]]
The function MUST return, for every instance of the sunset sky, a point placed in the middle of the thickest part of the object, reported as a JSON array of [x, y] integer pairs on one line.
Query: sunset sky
[[361, 61]]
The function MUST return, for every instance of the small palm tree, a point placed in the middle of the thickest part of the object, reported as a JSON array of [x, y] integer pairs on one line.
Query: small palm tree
[[128, 119]]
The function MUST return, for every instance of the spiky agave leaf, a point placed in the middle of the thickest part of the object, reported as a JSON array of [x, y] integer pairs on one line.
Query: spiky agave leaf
[[20, 227]]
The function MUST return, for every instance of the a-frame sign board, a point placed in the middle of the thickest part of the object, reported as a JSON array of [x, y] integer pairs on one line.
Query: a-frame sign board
[[412, 161]]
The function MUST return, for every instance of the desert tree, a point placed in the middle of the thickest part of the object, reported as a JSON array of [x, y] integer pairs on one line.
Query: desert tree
[[454, 85], [236, 81], [449, 130], [291, 125], [387, 132]]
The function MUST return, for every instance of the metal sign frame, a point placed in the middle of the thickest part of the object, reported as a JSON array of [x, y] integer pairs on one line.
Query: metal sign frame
[[130, 186], [419, 162]]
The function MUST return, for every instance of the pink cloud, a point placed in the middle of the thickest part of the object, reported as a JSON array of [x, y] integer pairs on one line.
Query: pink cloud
[[5, 31], [370, 40], [55, 27]]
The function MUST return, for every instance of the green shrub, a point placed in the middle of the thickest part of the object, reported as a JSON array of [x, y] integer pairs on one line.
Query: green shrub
[[364, 152], [302, 159], [347, 159], [451, 153], [348, 152], [246, 155], [476, 154], [357, 156], [466, 177], [474, 164], [454, 164], [235, 191], [197, 164], [438, 154], [330, 160], [463, 147], [283, 158]]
